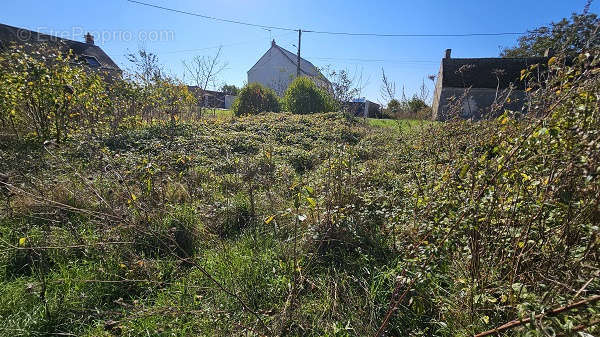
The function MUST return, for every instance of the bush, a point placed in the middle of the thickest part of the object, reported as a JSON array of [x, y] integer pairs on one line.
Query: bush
[[254, 99], [47, 97], [304, 97], [414, 108]]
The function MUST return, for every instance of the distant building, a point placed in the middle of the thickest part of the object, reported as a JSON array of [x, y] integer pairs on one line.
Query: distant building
[[477, 82], [362, 107], [87, 52], [277, 68], [212, 99]]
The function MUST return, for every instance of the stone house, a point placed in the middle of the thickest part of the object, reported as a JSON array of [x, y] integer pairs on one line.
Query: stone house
[[277, 68], [470, 86]]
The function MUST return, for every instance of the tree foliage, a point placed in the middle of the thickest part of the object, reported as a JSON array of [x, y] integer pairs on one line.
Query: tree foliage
[[567, 36], [230, 89]]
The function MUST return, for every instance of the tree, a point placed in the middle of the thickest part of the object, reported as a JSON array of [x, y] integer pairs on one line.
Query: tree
[[145, 67], [205, 70], [568, 36], [343, 85], [230, 89], [393, 107]]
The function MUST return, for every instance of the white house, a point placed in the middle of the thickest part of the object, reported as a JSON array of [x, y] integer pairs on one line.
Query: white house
[[277, 68]]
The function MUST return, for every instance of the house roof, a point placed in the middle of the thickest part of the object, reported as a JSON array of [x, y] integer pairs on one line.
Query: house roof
[[20, 36], [486, 72], [196, 90], [306, 67]]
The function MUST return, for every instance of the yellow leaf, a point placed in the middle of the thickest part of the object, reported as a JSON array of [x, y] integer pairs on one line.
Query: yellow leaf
[[552, 60], [521, 244], [133, 197], [485, 319], [269, 219], [22, 242]]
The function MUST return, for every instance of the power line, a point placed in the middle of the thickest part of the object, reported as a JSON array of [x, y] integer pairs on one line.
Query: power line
[[224, 45], [413, 35], [374, 60], [210, 17], [321, 32]]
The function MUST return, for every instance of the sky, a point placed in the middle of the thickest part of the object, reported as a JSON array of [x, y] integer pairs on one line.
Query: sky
[[121, 27]]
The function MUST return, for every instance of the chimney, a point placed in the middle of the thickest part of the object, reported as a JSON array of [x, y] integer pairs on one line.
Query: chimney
[[89, 38], [448, 53], [549, 52], [273, 43]]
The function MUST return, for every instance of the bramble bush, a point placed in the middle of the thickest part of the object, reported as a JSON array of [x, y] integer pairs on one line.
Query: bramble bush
[[253, 99], [49, 93]]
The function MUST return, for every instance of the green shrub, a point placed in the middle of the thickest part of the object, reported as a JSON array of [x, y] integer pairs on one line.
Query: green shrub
[[304, 97], [254, 99]]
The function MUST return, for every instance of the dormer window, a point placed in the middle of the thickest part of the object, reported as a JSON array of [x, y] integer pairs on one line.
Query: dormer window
[[92, 61]]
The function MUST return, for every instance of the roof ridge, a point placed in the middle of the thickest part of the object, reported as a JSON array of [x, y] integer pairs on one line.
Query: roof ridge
[[44, 34]]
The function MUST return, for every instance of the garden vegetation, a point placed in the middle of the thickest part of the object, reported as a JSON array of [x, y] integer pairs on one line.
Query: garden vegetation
[[134, 222]]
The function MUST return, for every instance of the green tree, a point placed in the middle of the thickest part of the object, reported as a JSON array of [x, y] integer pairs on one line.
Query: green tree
[[230, 89], [415, 104], [393, 107], [568, 36], [304, 97]]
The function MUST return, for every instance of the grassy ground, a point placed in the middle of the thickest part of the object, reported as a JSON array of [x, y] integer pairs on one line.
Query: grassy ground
[[400, 123], [190, 229], [219, 113], [280, 224]]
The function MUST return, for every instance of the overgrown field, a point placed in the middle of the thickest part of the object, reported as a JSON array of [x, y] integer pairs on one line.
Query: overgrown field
[[316, 225]]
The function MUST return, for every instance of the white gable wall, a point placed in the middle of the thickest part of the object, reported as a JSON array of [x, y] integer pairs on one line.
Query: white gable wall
[[273, 70]]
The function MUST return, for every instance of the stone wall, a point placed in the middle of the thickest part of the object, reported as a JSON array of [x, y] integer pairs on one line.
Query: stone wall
[[476, 104]]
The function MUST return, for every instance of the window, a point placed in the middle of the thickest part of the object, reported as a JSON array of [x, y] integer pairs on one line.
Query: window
[[92, 61]]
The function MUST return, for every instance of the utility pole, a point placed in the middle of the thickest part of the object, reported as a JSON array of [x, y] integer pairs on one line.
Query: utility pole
[[299, 41]]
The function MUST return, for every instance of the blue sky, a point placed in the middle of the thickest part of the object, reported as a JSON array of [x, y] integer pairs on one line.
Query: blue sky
[[407, 61]]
